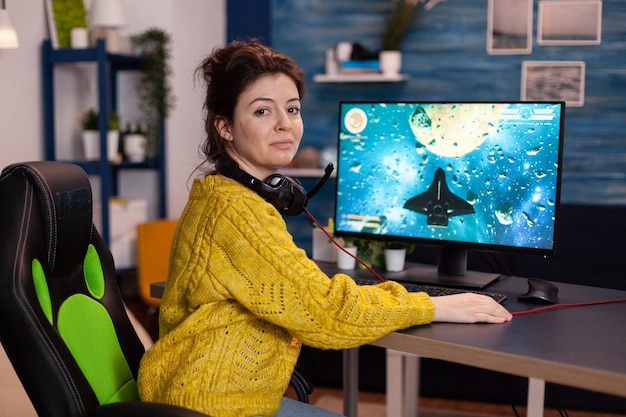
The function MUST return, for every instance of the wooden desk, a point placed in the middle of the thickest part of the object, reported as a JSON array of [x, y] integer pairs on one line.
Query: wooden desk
[[582, 347]]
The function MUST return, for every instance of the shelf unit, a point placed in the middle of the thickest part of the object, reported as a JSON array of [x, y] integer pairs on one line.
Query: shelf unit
[[108, 66], [359, 78]]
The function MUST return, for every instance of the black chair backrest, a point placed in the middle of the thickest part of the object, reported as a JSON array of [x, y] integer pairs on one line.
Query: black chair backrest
[[62, 319]]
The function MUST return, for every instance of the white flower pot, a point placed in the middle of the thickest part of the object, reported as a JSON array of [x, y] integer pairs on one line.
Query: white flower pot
[[344, 260], [394, 259], [390, 62], [91, 145], [135, 147], [113, 145]]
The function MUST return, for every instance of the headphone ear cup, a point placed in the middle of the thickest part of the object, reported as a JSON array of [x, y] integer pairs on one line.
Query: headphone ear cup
[[287, 195], [284, 193]]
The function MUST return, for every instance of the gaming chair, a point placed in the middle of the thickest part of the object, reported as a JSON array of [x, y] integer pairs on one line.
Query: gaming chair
[[63, 322]]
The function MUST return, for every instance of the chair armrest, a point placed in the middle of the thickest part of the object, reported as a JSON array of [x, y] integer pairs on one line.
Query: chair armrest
[[302, 385]]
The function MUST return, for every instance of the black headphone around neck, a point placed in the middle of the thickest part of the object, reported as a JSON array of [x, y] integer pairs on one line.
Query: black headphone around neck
[[283, 192]]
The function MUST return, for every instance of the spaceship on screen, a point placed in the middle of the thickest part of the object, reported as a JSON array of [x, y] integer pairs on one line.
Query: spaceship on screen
[[438, 203]]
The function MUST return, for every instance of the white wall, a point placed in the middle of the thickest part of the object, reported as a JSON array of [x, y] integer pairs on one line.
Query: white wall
[[196, 27]]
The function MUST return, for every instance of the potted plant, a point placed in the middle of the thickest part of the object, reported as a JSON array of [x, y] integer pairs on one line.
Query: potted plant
[[154, 92], [91, 135], [394, 254], [368, 252], [346, 253], [135, 143], [113, 137], [403, 14]]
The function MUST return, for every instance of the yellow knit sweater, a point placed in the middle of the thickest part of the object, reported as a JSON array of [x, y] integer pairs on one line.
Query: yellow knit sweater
[[240, 300]]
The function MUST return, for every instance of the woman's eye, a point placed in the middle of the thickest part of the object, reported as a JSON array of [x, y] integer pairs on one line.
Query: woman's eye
[[294, 110], [262, 112]]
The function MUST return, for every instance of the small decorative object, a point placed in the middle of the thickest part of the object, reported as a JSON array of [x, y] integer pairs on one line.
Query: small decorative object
[[155, 96], [63, 16], [390, 62], [106, 17], [354, 58], [8, 35], [79, 38], [330, 63], [135, 143], [91, 136]]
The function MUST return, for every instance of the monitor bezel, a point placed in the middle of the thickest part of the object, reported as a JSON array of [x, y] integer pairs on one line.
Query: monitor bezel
[[451, 244]]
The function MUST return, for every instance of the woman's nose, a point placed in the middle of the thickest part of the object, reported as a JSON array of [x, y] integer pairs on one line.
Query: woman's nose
[[284, 121]]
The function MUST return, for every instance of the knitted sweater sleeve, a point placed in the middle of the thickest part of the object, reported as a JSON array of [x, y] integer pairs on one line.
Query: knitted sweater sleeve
[[259, 265]]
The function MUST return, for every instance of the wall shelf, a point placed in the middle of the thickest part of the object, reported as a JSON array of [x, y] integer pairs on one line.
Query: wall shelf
[[359, 78], [305, 172]]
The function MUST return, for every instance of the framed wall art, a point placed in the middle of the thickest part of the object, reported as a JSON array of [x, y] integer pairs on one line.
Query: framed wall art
[[569, 22], [63, 16], [509, 27], [554, 80]]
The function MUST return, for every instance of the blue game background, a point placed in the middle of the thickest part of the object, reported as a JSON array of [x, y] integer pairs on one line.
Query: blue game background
[[511, 179]]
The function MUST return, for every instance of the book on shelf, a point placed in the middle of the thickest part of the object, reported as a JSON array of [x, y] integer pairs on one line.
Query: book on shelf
[[359, 67]]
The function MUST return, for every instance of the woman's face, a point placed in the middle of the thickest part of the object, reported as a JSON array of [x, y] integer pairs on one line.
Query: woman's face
[[267, 127]]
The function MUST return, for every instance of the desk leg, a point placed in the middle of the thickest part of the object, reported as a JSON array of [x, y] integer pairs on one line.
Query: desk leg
[[393, 391], [536, 397], [402, 392], [350, 382], [411, 385]]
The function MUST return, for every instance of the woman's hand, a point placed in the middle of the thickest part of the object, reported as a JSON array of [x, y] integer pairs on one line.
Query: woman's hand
[[469, 308]]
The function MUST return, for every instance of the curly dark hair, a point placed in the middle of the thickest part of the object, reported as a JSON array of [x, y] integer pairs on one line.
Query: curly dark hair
[[227, 72]]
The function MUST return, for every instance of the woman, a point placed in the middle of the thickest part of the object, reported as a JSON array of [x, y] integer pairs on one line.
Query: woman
[[241, 298]]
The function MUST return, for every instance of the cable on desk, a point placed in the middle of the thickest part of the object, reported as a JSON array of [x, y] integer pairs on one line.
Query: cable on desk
[[564, 305]]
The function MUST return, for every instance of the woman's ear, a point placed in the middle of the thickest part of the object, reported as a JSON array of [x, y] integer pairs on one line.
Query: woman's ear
[[223, 128]]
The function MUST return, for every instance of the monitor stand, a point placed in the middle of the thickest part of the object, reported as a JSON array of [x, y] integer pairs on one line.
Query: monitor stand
[[451, 271]]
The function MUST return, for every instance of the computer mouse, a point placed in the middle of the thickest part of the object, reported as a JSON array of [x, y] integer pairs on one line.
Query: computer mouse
[[541, 291]]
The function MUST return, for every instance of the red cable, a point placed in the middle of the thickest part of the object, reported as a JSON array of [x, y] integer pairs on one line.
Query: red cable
[[332, 239], [550, 307]]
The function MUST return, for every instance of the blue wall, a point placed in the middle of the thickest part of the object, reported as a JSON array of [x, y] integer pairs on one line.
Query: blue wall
[[246, 18], [446, 59]]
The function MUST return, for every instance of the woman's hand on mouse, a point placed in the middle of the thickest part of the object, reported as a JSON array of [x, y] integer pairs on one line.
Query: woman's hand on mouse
[[469, 308]]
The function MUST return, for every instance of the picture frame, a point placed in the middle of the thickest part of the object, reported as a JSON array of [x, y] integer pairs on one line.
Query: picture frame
[[509, 27], [554, 80], [62, 17], [569, 22]]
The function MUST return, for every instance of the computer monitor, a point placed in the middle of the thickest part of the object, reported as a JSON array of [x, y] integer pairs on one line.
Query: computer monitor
[[458, 175]]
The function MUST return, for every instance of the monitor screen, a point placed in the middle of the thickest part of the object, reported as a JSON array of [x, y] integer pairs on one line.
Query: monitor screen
[[464, 175]]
